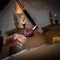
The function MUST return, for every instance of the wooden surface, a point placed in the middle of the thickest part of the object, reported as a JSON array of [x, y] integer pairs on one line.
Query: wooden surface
[[51, 31], [35, 41], [47, 52], [51, 27]]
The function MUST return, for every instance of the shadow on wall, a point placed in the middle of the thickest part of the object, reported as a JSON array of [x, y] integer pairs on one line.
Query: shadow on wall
[[3, 3]]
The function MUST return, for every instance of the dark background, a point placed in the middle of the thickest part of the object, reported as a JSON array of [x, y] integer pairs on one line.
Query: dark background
[[3, 3]]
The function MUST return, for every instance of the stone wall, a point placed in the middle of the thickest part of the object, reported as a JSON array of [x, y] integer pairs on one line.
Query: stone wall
[[6, 18], [38, 9]]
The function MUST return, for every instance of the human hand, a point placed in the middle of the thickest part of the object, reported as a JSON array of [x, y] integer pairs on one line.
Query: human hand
[[21, 38]]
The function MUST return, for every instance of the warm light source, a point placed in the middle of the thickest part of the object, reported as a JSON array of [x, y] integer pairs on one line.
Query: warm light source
[[23, 21], [56, 39], [18, 9]]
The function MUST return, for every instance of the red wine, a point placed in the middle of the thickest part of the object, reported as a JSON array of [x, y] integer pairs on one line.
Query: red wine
[[28, 33]]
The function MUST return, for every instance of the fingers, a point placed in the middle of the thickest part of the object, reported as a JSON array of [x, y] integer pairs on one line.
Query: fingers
[[21, 38]]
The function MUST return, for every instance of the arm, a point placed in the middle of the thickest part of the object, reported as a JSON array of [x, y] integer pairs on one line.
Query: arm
[[7, 38]]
